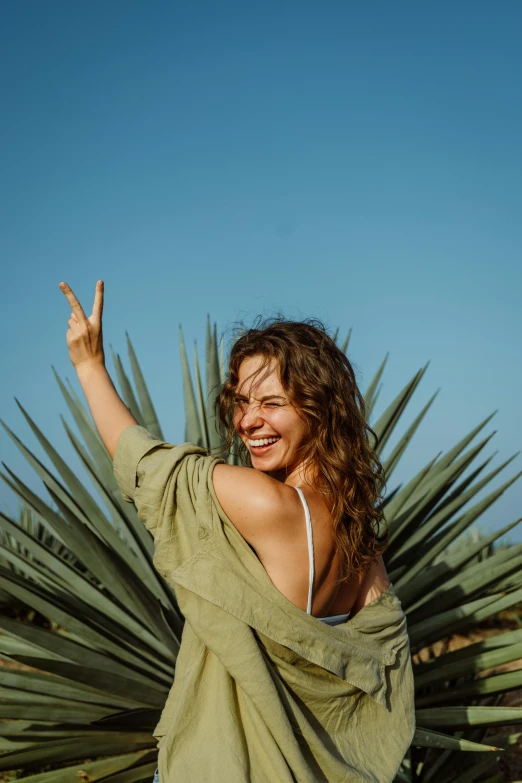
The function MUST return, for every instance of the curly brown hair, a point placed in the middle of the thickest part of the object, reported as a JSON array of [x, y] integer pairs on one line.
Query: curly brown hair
[[320, 383]]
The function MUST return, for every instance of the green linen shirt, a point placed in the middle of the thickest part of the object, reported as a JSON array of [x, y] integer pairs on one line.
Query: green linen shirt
[[263, 692]]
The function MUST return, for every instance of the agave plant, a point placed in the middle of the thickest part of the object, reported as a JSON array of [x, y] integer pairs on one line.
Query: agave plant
[[87, 690]]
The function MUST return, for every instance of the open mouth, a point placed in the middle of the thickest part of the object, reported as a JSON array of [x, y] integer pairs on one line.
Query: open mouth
[[262, 446]]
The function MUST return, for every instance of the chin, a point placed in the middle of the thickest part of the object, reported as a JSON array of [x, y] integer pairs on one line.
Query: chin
[[259, 461], [265, 465]]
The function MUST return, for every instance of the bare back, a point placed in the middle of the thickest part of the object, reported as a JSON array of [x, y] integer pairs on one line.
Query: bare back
[[275, 527], [288, 566]]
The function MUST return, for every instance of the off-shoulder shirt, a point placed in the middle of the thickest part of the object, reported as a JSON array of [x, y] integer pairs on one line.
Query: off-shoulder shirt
[[263, 691]]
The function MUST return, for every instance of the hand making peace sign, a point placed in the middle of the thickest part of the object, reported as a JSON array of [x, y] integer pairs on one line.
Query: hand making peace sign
[[84, 336]]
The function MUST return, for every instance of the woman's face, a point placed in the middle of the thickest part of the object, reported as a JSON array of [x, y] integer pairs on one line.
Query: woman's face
[[266, 421]]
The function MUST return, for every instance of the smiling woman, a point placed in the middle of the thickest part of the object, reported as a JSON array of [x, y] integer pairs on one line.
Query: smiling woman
[[292, 628]]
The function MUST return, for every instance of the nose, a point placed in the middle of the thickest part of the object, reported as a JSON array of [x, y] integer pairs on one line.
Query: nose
[[251, 417]]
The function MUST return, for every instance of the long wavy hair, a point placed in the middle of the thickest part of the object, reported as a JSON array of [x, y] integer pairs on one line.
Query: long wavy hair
[[320, 383]]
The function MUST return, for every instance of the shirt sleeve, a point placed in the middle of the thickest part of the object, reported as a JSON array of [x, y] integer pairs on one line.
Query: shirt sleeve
[[168, 485]]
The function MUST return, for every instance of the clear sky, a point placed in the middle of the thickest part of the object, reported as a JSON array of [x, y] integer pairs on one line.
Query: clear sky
[[359, 162]]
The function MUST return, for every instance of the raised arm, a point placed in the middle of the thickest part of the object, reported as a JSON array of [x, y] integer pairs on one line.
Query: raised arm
[[85, 342]]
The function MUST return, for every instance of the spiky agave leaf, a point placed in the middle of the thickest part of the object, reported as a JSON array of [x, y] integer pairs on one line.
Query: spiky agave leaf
[[213, 383], [150, 418], [94, 686]]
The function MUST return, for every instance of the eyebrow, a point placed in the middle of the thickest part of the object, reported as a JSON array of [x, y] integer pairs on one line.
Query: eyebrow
[[262, 399]]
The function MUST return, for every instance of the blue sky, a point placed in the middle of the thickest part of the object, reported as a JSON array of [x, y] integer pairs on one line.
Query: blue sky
[[358, 162]]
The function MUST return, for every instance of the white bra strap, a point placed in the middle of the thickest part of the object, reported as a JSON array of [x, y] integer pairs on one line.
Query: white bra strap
[[310, 548]]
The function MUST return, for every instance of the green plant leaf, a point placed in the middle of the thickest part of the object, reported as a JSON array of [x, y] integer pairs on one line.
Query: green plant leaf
[[193, 432], [385, 425], [462, 717], [425, 738], [150, 418]]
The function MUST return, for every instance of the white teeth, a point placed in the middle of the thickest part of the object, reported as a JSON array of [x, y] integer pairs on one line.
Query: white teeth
[[262, 441]]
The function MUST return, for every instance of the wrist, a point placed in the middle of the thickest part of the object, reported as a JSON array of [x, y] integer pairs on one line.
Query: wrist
[[90, 367]]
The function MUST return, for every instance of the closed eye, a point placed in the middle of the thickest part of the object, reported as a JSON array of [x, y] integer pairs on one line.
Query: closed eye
[[270, 403]]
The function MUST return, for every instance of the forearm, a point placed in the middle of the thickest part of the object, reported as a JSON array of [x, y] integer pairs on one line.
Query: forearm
[[111, 416]]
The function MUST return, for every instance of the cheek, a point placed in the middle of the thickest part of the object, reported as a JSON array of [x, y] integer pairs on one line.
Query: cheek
[[278, 420], [290, 426]]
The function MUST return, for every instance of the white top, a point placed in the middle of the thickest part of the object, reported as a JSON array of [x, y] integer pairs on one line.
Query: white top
[[336, 619]]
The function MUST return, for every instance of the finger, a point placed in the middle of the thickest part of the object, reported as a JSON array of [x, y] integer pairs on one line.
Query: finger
[[75, 305], [97, 308]]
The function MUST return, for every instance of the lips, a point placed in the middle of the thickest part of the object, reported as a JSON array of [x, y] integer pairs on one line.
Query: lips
[[260, 446], [263, 441]]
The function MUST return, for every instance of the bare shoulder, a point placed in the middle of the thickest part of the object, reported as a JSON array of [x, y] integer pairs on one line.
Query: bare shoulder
[[373, 584], [261, 508]]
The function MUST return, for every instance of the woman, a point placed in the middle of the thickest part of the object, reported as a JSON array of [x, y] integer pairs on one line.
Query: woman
[[294, 662]]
